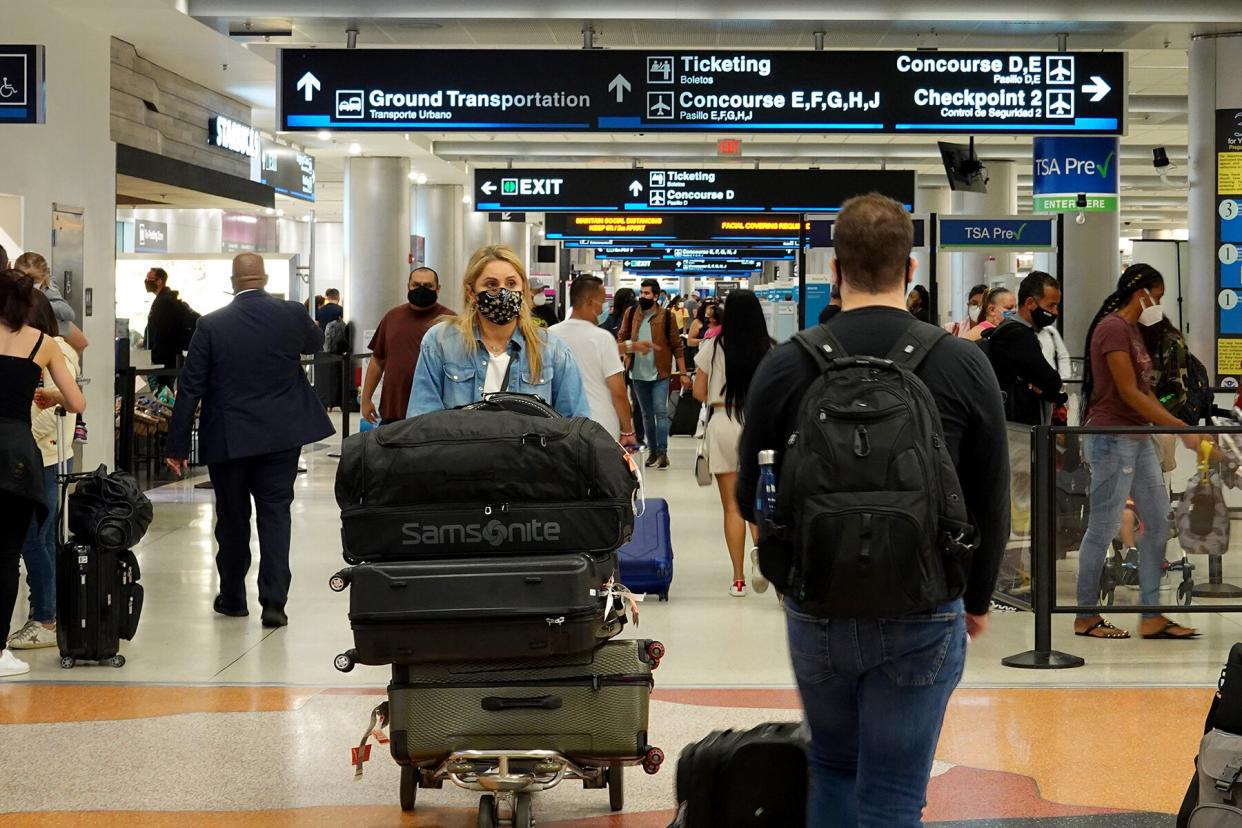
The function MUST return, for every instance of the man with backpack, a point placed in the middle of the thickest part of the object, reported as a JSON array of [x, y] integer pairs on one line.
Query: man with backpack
[[650, 344], [170, 324], [891, 515], [1030, 383]]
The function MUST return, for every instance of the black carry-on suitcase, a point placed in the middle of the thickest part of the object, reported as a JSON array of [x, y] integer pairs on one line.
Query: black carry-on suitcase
[[98, 597], [478, 609], [597, 710]]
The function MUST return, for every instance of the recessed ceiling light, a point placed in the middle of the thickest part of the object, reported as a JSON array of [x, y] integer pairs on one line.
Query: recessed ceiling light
[[355, 148], [271, 211], [465, 199], [324, 135], [422, 179], [413, 175], [280, 213]]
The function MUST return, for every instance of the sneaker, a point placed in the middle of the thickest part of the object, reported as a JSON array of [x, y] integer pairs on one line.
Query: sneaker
[[738, 590], [756, 577], [662, 462], [652, 457], [33, 636], [11, 665], [79, 433]]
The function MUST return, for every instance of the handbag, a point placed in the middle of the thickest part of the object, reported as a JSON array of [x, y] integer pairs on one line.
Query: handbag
[[109, 510], [702, 469]]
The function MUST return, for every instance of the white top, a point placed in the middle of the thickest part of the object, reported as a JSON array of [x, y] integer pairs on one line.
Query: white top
[[595, 351], [706, 360], [496, 367], [1058, 356], [43, 421]]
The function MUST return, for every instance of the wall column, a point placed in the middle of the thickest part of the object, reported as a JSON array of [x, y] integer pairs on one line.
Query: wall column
[[970, 269], [437, 218], [377, 240]]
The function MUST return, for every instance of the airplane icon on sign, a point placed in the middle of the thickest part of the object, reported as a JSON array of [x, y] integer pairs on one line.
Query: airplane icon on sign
[[659, 104], [1060, 70], [1060, 103]]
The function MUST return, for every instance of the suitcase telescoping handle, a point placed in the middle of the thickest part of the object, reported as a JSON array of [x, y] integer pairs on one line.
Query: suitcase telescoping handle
[[495, 703]]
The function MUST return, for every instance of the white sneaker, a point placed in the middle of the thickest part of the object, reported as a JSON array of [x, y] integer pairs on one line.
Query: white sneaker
[[757, 580], [33, 636], [11, 665], [738, 590]]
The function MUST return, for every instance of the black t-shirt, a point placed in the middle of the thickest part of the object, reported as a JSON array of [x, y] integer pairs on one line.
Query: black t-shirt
[[1019, 363], [965, 390]]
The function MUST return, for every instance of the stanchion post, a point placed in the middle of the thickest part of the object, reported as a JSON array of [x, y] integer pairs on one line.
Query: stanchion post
[[129, 397], [1043, 565], [346, 367]]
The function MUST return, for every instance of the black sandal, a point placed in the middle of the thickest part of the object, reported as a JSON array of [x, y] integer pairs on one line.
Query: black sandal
[[1163, 632], [1103, 624]]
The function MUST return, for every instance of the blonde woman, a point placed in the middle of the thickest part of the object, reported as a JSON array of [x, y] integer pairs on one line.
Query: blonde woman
[[495, 345]]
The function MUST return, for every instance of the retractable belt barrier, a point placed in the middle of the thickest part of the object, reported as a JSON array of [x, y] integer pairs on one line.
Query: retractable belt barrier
[[1204, 493], [127, 392]]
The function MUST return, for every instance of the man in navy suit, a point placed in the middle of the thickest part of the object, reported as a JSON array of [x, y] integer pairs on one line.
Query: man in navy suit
[[258, 411]]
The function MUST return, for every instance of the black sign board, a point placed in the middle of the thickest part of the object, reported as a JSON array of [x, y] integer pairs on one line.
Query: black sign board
[[21, 84], [872, 91], [819, 232], [619, 228], [288, 171], [500, 217], [689, 190], [150, 236], [709, 254]]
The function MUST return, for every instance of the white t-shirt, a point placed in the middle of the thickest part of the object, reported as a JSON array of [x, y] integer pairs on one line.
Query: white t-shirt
[[595, 351], [707, 360], [496, 367]]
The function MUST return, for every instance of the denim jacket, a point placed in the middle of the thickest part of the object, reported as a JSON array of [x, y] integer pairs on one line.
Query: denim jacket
[[450, 374]]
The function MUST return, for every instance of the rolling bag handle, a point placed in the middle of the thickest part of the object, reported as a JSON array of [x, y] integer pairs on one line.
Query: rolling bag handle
[[497, 703], [62, 480]]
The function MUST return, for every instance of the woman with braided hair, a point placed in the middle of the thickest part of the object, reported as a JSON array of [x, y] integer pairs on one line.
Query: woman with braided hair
[[1117, 391]]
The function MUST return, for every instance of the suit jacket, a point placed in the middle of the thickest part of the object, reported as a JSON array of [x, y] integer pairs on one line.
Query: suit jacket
[[243, 368]]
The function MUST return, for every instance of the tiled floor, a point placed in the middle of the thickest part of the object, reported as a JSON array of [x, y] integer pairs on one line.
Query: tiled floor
[[238, 724]]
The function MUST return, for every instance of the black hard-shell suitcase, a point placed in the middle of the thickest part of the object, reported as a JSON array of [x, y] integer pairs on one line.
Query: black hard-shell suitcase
[[685, 420], [595, 710], [483, 482], [478, 609], [754, 778]]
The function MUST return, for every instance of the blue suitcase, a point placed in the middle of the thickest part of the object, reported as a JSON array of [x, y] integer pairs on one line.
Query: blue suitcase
[[645, 564]]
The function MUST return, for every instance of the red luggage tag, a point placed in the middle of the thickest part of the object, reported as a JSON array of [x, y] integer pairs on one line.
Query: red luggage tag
[[358, 755]]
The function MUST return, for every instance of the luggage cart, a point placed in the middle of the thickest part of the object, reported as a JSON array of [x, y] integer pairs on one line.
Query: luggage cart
[[509, 778]]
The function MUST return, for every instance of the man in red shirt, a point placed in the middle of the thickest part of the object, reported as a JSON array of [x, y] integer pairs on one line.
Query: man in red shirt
[[396, 344]]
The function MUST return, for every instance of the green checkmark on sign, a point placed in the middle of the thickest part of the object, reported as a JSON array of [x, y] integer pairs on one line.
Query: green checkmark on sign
[[1021, 228], [1107, 163]]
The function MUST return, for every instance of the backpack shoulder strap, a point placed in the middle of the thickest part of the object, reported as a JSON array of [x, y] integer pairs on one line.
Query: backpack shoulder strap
[[821, 344], [914, 346]]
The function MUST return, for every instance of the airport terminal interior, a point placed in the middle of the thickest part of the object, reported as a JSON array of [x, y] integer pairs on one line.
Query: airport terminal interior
[[708, 147]]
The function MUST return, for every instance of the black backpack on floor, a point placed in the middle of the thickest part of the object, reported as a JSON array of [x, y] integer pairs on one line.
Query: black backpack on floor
[[870, 513]]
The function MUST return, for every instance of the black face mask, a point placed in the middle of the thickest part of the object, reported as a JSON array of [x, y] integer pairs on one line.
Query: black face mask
[[646, 304], [422, 297], [1041, 318]]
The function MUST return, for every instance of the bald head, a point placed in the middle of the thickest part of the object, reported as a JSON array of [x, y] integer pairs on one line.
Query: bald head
[[248, 272]]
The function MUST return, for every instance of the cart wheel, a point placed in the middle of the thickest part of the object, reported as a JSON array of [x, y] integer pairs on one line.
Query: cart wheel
[[67, 663], [488, 817], [653, 760], [1185, 592], [523, 811], [337, 583], [344, 662], [616, 786], [117, 660], [409, 787], [656, 651]]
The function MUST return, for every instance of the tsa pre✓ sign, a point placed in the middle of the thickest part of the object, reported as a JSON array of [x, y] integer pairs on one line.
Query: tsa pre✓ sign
[[996, 234], [1065, 167]]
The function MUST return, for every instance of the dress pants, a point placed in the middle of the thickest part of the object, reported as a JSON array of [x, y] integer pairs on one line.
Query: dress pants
[[268, 478]]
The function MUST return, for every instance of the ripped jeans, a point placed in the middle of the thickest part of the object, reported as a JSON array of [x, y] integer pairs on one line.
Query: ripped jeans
[[1123, 466]]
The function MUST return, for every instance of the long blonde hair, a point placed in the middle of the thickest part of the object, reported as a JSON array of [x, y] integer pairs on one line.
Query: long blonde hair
[[34, 266], [467, 322]]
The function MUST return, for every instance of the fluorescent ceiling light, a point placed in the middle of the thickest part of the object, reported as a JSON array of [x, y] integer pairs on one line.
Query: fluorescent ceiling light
[[324, 135], [355, 148]]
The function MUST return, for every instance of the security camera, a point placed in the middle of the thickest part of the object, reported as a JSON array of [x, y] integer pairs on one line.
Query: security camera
[[1160, 160], [1081, 204]]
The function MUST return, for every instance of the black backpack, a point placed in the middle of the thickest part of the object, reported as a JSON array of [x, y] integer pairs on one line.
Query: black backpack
[[869, 503], [109, 510]]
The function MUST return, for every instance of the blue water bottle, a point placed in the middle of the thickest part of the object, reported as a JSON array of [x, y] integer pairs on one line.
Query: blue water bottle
[[765, 491]]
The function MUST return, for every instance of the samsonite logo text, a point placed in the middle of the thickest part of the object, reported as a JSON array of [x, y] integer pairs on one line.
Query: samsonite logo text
[[493, 533]]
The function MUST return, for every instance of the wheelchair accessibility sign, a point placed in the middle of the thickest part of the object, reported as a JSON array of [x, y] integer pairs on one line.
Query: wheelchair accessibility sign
[[21, 84]]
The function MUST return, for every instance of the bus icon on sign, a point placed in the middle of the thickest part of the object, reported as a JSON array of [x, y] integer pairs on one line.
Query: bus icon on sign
[[349, 103], [660, 69]]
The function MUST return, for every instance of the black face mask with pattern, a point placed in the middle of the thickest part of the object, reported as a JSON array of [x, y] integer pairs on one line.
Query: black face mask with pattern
[[500, 307]]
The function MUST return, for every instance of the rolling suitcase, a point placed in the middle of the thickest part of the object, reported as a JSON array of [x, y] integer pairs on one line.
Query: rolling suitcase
[[477, 609], [744, 779], [483, 482], [645, 564], [594, 710], [685, 420]]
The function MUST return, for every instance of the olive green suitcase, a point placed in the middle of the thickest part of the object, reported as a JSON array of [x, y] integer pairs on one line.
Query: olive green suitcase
[[591, 709]]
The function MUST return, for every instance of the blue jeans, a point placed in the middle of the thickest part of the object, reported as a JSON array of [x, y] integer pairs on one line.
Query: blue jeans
[[39, 552], [875, 692], [1123, 466], [653, 402]]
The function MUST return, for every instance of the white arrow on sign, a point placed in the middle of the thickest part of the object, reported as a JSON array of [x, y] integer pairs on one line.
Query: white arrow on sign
[[506, 216], [635, 188], [1098, 87], [488, 187], [310, 83], [619, 85]]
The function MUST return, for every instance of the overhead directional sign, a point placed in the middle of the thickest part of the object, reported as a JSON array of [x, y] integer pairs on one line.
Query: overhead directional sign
[[620, 228], [1001, 233], [708, 254], [692, 265], [868, 91], [689, 190], [21, 84]]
